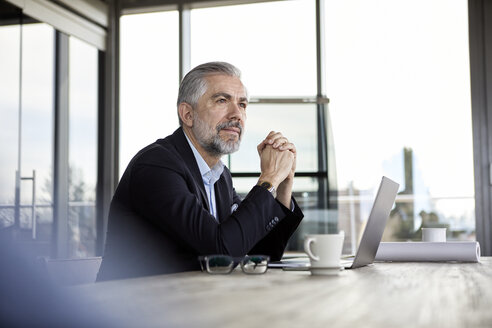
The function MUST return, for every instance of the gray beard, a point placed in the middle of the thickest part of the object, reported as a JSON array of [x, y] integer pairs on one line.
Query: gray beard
[[211, 141]]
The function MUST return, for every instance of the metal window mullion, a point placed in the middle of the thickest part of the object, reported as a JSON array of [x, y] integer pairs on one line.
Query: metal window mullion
[[480, 38], [323, 195], [61, 170], [255, 174], [486, 224], [320, 49], [184, 41], [282, 101], [103, 166], [19, 128], [108, 123]]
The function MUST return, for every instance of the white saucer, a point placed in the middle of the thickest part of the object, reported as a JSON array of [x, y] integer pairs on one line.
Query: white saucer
[[329, 271]]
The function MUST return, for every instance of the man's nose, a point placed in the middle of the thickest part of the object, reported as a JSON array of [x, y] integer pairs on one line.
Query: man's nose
[[235, 111]]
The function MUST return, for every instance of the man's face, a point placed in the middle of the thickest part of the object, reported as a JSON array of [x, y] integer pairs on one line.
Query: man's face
[[219, 116]]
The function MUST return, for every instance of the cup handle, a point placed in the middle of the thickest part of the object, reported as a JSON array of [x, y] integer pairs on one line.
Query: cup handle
[[307, 248]]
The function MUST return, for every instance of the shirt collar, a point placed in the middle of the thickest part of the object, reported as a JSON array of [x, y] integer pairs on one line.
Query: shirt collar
[[209, 175]]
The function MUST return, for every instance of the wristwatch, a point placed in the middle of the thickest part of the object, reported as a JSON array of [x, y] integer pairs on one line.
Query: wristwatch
[[268, 186]]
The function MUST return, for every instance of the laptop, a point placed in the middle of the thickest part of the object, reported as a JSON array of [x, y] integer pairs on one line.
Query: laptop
[[371, 237]]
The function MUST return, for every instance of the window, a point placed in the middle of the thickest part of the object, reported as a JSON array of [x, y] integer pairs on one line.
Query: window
[[273, 43], [83, 106], [399, 87], [49, 107], [35, 144], [26, 107], [9, 111], [296, 121], [399, 106], [149, 80], [276, 52]]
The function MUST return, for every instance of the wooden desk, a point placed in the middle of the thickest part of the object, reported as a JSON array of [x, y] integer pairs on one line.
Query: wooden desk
[[381, 295]]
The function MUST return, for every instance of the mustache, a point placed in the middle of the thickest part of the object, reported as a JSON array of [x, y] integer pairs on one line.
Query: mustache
[[230, 124]]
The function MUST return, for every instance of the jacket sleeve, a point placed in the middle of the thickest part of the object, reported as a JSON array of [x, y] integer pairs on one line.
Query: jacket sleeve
[[275, 242], [168, 196]]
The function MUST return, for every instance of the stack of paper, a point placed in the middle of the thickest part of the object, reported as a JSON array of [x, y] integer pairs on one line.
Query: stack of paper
[[461, 251]]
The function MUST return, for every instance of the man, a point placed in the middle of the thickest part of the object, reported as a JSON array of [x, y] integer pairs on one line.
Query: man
[[175, 200]]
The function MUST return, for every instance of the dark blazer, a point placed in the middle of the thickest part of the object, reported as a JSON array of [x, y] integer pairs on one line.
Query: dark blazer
[[159, 220]]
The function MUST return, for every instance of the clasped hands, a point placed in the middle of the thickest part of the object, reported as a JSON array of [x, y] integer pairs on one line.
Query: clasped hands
[[278, 164]]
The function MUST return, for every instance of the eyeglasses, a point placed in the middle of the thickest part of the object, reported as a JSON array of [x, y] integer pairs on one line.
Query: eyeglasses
[[224, 264]]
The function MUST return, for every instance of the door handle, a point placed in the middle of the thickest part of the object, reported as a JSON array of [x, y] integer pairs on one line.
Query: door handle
[[33, 202]]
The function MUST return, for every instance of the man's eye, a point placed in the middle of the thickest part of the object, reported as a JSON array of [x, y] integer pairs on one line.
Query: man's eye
[[221, 100], [243, 105]]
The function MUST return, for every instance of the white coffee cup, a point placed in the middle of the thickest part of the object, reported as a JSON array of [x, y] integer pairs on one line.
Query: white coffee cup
[[434, 234], [324, 251]]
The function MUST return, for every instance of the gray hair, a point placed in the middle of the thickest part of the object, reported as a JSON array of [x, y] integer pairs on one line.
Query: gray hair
[[194, 85]]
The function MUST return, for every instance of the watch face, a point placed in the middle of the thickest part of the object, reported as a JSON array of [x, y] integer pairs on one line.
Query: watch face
[[266, 185]]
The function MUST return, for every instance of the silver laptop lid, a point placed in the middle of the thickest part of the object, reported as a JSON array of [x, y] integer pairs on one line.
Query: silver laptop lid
[[376, 223]]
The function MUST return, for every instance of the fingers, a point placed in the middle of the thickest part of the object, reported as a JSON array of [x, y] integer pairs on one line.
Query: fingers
[[267, 141], [276, 165], [277, 141], [288, 146], [260, 148]]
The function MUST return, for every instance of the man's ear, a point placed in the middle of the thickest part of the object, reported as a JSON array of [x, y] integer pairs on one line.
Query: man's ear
[[185, 112]]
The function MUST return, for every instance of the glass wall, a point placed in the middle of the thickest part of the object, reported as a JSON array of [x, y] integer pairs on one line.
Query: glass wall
[[399, 85], [149, 80], [273, 43], [36, 139], [9, 124], [399, 92], [295, 121], [82, 179], [26, 130], [276, 52]]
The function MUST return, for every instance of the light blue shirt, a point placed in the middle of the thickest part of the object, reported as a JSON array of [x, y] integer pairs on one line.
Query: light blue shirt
[[210, 176]]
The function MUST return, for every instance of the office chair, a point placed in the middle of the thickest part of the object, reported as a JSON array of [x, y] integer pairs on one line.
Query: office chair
[[68, 272]]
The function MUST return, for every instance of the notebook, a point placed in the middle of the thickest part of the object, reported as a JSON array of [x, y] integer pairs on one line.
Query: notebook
[[371, 237]]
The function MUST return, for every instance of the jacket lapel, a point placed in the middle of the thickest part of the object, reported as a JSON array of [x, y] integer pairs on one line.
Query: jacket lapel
[[183, 148], [223, 196]]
